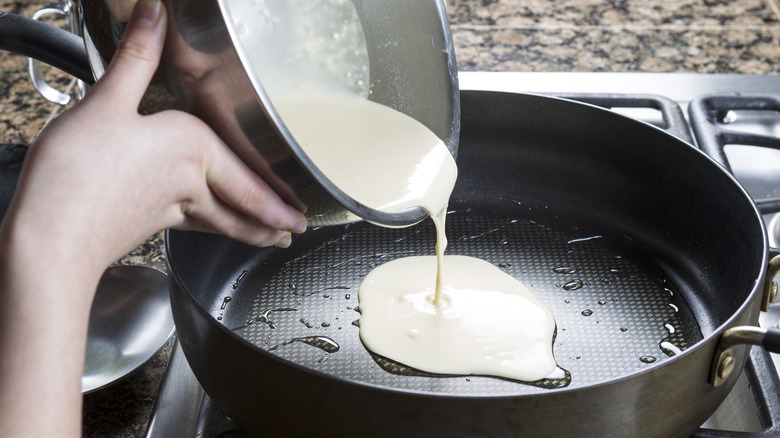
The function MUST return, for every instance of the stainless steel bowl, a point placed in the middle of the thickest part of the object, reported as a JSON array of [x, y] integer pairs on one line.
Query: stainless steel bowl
[[207, 71], [129, 322]]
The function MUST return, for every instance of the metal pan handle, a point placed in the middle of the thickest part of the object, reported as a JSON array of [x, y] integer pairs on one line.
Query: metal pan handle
[[724, 361]]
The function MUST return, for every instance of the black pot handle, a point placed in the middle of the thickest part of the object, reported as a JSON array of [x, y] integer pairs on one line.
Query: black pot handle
[[772, 340], [46, 43]]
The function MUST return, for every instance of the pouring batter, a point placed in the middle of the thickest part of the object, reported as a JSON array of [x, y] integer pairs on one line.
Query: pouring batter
[[475, 319]]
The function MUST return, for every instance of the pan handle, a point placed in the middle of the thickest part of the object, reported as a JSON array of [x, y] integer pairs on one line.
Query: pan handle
[[47, 43], [724, 360], [767, 338]]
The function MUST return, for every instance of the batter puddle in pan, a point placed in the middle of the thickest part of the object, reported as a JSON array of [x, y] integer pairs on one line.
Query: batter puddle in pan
[[622, 313]]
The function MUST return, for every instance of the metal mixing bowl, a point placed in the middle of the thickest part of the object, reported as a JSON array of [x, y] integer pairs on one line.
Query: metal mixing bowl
[[129, 322], [206, 70]]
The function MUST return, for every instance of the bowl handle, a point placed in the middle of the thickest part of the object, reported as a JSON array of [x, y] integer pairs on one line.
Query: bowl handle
[[46, 43], [34, 66]]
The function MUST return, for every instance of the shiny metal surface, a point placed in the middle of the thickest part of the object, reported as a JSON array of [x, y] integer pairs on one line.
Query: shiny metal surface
[[34, 66], [130, 320], [208, 72], [179, 401]]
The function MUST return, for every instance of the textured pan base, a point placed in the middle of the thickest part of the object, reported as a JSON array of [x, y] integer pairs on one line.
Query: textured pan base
[[615, 315]]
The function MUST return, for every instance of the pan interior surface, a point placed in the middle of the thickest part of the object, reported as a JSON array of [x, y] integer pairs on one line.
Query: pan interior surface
[[615, 314]]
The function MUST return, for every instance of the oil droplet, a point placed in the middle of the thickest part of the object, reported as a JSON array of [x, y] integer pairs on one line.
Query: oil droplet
[[325, 344], [239, 279], [602, 302], [504, 265], [584, 239], [325, 324], [565, 270], [587, 312], [669, 349], [266, 316], [648, 359], [347, 296], [623, 329], [225, 302], [573, 285], [306, 323]]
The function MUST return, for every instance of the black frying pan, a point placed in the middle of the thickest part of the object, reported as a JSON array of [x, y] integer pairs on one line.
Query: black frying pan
[[643, 248]]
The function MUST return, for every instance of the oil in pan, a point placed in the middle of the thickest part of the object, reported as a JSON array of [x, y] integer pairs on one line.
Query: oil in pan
[[615, 315]]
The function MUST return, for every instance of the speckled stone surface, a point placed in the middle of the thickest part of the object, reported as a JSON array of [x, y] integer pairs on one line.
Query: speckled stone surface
[[704, 36]]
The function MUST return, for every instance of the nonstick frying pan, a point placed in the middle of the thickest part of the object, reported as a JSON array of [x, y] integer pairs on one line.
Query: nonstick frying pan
[[643, 248]]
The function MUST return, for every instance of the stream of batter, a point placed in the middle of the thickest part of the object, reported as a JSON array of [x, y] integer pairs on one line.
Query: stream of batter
[[453, 315], [447, 315]]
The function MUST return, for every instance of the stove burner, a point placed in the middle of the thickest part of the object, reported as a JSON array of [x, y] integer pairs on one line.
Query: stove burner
[[672, 118], [711, 119]]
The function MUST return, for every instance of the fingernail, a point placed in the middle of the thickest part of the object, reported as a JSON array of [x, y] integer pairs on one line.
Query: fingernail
[[147, 12], [299, 227], [284, 242]]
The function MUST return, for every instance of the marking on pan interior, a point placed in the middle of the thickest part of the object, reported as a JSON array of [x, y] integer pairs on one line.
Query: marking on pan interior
[[302, 294]]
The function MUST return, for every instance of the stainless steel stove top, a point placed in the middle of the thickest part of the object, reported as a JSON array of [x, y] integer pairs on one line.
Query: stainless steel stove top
[[180, 406]]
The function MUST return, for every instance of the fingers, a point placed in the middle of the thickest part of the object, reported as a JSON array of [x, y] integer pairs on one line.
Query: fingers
[[213, 216], [240, 188], [137, 57], [223, 194]]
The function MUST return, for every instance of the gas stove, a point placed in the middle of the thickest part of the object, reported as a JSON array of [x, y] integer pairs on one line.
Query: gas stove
[[734, 118]]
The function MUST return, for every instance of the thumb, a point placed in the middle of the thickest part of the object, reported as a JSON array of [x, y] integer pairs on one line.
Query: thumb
[[138, 56]]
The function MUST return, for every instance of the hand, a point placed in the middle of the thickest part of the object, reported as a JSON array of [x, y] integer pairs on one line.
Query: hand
[[97, 182], [116, 177]]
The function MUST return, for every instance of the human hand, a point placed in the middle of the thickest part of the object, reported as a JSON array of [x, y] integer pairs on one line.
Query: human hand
[[116, 177], [98, 181]]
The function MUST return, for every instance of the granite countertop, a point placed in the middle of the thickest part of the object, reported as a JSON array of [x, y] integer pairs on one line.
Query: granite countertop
[[700, 36]]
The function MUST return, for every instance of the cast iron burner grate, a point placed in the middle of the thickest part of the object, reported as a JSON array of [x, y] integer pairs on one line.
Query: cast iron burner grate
[[706, 115]]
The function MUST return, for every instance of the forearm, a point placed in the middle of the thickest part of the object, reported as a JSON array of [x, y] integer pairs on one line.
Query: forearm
[[45, 297]]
